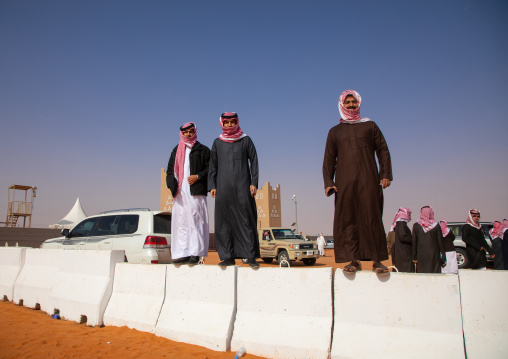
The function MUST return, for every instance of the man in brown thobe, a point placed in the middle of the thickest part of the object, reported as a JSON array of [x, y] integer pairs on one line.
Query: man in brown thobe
[[350, 171]]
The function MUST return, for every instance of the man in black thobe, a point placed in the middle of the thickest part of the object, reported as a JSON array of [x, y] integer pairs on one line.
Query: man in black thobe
[[350, 171], [233, 184]]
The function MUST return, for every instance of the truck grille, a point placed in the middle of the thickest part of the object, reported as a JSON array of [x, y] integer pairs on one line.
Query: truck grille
[[306, 246]]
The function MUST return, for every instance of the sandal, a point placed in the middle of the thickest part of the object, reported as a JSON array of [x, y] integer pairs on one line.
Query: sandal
[[380, 268], [353, 267]]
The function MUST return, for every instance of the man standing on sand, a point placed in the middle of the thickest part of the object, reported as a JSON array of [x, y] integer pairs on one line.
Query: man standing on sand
[[187, 178], [233, 181], [350, 171]]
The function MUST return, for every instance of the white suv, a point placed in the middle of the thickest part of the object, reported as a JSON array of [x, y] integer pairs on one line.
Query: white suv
[[144, 235]]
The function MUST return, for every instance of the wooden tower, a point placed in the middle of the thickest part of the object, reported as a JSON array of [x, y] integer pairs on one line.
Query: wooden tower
[[16, 209]]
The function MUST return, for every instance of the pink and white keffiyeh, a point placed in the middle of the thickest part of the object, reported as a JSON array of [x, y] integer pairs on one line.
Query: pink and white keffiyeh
[[475, 222], [497, 230], [427, 218], [403, 214], [351, 115], [180, 152], [444, 227], [230, 134]]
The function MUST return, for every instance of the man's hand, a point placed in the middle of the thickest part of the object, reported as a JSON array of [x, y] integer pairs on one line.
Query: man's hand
[[253, 190], [330, 190], [444, 264], [385, 182], [192, 179], [213, 193]]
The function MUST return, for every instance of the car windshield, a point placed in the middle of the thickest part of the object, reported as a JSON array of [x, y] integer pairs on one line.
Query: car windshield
[[283, 234]]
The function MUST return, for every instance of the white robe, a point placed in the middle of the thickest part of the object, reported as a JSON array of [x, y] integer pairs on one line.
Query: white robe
[[321, 242], [451, 263], [189, 222]]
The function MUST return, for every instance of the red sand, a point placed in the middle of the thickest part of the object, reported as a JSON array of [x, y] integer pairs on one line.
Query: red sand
[[28, 333]]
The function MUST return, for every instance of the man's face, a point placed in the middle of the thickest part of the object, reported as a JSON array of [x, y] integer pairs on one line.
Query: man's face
[[188, 132], [476, 216], [350, 103], [229, 122]]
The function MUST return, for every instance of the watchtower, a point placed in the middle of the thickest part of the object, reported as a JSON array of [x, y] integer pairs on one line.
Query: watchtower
[[16, 209]]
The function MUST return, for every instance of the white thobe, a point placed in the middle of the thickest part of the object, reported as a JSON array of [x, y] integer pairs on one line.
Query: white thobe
[[189, 222], [321, 242]]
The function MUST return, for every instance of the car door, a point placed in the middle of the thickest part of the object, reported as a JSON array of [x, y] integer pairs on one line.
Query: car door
[[103, 234], [79, 234]]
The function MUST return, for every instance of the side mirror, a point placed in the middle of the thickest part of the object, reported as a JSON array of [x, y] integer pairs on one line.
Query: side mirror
[[65, 233]]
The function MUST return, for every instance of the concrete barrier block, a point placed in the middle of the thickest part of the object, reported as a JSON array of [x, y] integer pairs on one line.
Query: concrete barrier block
[[397, 316], [284, 313], [199, 306], [36, 278], [138, 295], [12, 260], [484, 313], [83, 284]]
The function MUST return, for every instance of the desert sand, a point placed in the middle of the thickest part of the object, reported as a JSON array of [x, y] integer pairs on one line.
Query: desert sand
[[28, 333]]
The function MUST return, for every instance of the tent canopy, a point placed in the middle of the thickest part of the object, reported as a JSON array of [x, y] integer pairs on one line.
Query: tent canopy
[[75, 215]]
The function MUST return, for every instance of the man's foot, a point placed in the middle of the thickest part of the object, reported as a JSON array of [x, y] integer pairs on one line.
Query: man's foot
[[380, 268], [253, 263], [181, 260], [353, 267], [193, 260], [227, 262]]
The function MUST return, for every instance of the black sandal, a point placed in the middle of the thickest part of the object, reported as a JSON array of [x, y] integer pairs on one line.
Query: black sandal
[[380, 269], [353, 267]]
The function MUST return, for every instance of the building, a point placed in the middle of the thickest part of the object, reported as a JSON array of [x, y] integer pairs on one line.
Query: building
[[166, 196], [268, 206]]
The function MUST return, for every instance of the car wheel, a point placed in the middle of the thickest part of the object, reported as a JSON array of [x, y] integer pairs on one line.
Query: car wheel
[[309, 261], [462, 260], [245, 261], [283, 256], [268, 260]]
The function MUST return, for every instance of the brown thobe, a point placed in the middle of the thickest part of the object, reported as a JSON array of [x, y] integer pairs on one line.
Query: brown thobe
[[428, 249], [350, 164]]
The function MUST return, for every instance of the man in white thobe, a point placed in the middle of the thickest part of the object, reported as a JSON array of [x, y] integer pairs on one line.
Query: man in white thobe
[[187, 178]]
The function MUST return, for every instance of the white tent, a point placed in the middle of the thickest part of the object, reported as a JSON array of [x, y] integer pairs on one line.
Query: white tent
[[75, 215]]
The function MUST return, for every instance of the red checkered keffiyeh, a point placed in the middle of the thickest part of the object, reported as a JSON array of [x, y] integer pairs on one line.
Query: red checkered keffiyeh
[[403, 214], [444, 227], [473, 222], [427, 218], [230, 134], [351, 115]]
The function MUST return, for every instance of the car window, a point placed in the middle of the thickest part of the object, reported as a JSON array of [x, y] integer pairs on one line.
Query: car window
[[128, 224], [85, 228], [283, 234], [455, 229], [162, 224], [104, 226]]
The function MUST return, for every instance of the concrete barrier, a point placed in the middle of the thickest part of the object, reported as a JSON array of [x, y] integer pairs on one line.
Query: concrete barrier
[[36, 278], [199, 306], [12, 260], [83, 284], [284, 313], [399, 316], [484, 313], [138, 295]]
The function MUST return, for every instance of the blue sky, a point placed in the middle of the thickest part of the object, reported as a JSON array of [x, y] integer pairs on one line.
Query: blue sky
[[92, 94]]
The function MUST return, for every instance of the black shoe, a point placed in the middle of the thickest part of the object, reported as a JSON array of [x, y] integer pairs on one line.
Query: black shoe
[[252, 262], [193, 260], [181, 260], [227, 262]]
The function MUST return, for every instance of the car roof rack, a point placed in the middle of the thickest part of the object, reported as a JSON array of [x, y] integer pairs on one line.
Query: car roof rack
[[126, 210]]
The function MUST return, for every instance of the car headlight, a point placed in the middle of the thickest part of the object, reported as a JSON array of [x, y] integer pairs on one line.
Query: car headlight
[[294, 246]]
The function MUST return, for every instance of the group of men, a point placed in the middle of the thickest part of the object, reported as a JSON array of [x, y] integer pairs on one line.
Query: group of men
[[230, 173]]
